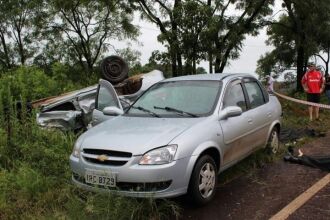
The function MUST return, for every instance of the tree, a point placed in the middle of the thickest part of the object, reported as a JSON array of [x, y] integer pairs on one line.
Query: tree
[[86, 26], [298, 33], [131, 57], [192, 25], [192, 29], [284, 54], [20, 22], [325, 48], [6, 59], [227, 32], [168, 28], [161, 61], [324, 43]]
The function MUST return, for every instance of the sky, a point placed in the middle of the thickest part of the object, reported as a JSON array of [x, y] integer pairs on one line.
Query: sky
[[253, 47]]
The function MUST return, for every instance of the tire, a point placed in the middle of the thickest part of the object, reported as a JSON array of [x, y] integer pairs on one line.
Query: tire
[[114, 69], [273, 143], [203, 181]]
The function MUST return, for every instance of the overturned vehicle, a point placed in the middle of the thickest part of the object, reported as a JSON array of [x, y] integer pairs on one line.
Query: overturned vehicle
[[92, 105]]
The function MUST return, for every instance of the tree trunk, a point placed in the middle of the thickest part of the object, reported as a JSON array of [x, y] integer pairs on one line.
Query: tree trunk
[[174, 66], [210, 62], [217, 65], [210, 55], [6, 53], [327, 63], [20, 48], [194, 65], [225, 57], [300, 66], [179, 60], [89, 64], [90, 68]]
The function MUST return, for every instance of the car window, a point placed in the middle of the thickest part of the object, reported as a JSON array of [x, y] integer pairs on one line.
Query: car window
[[235, 97], [105, 98], [254, 93]]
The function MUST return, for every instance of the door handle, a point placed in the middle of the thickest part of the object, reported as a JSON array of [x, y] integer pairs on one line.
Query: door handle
[[269, 114], [250, 121]]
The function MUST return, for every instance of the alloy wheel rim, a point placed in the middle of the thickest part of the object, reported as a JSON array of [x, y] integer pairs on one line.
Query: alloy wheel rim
[[274, 144], [207, 180]]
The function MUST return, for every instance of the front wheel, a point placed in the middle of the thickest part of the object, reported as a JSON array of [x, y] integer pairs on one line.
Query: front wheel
[[273, 144], [203, 180]]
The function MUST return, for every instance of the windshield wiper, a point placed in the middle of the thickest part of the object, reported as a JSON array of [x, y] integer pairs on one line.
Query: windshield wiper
[[170, 109], [146, 110]]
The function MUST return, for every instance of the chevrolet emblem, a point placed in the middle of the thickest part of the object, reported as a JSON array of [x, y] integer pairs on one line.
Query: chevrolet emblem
[[102, 157]]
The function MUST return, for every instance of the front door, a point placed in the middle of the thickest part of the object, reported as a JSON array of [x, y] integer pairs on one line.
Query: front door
[[106, 96], [236, 130]]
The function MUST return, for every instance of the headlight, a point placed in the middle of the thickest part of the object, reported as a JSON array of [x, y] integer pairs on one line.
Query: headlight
[[76, 151], [161, 155], [76, 148]]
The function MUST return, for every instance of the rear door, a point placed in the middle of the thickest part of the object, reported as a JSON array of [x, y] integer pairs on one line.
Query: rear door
[[260, 111], [106, 96]]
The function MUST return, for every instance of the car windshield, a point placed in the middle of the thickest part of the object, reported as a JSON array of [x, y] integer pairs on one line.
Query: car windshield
[[178, 99]]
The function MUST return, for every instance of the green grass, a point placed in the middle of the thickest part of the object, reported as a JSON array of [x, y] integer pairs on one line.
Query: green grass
[[35, 181]]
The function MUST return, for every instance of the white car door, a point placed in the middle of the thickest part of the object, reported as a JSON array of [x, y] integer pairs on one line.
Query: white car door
[[106, 96]]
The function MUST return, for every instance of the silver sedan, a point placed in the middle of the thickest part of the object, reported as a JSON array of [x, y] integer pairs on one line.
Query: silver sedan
[[177, 137]]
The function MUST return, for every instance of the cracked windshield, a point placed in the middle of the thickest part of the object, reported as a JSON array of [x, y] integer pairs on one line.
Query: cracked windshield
[[178, 99]]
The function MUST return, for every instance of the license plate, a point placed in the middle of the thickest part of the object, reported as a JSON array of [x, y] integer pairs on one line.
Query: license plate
[[106, 179]]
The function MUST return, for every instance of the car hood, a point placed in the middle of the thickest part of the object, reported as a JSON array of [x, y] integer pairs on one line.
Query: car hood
[[136, 134]]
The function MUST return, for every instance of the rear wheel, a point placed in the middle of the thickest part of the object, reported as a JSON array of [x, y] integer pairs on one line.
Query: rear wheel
[[203, 180], [273, 144]]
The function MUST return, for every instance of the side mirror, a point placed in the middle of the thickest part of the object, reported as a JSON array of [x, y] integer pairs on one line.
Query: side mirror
[[112, 111], [230, 111]]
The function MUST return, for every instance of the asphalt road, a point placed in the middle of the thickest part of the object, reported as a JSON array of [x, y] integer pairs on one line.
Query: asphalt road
[[265, 191]]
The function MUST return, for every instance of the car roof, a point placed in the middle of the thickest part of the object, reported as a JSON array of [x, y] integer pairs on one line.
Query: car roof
[[216, 77]]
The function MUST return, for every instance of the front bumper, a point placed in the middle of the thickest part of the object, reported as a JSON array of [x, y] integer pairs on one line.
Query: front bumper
[[132, 179]]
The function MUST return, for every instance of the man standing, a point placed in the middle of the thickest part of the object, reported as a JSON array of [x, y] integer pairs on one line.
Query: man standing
[[313, 84], [270, 83]]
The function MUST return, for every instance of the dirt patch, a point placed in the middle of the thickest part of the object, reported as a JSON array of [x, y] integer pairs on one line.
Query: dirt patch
[[264, 192]]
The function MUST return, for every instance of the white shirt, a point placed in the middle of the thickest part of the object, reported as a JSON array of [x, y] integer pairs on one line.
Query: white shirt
[[270, 84]]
